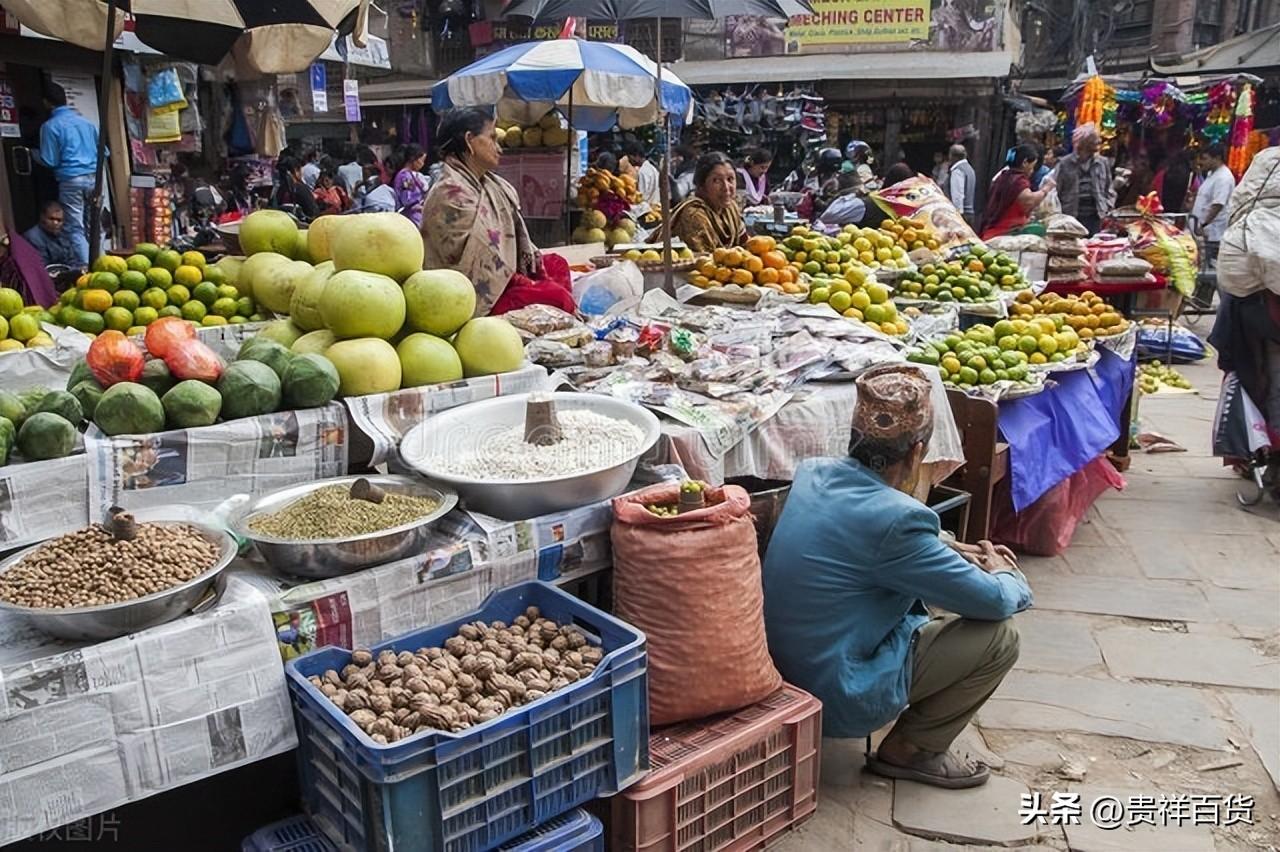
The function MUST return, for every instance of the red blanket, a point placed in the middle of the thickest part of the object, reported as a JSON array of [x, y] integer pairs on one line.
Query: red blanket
[[554, 288]]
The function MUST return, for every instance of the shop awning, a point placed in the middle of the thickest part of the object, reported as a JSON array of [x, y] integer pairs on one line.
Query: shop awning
[[396, 92], [909, 66], [1251, 51]]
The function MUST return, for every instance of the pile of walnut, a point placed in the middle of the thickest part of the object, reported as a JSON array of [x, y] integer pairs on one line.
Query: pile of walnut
[[479, 674]]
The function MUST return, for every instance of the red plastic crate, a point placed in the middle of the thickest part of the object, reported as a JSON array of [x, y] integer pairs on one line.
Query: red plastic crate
[[731, 782]]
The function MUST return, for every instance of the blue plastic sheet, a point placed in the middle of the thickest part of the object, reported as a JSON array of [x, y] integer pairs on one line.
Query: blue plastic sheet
[[1055, 433]]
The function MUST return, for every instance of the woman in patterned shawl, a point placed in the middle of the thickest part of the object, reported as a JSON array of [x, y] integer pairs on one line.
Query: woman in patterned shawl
[[471, 219], [710, 219]]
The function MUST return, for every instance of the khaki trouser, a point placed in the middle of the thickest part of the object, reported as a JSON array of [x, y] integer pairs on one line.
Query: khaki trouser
[[956, 664]]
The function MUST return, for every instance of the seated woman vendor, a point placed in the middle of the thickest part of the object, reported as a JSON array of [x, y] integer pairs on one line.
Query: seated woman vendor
[[850, 563], [710, 219], [471, 222]]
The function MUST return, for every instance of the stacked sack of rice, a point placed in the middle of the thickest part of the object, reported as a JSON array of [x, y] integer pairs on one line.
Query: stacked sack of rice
[[1123, 270], [1064, 237]]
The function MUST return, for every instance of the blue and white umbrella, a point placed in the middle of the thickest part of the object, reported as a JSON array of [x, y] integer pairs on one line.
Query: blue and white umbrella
[[605, 83]]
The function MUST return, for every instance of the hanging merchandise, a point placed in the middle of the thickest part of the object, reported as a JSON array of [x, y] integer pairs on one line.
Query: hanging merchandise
[[1221, 107], [1238, 154], [1171, 252], [164, 91], [1092, 99]]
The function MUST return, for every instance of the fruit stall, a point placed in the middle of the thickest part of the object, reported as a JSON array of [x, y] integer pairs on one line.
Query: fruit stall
[[309, 502]]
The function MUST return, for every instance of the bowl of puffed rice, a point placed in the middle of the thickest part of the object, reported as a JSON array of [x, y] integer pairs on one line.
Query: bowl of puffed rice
[[484, 452]]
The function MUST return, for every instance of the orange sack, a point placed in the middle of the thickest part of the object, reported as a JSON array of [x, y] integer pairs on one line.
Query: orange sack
[[691, 582]]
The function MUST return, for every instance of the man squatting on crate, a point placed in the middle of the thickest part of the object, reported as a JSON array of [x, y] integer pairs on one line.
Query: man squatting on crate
[[852, 560]]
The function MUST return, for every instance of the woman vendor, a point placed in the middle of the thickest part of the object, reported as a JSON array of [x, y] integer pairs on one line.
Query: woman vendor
[[710, 218], [1012, 199], [753, 177], [471, 222]]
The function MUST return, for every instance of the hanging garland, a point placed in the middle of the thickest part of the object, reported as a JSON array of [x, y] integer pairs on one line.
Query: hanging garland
[[1238, 154], [1093, 98], [1221, 104]]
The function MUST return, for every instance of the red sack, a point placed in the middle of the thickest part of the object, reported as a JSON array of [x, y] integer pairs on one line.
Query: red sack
[[555, 288], [114, 358], [191, 359], [165, 332], [1046, 526], [692, 583]]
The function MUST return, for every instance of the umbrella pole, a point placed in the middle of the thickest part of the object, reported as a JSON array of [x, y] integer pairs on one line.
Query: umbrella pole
[[568, 172], [664, 186], [95, 200]]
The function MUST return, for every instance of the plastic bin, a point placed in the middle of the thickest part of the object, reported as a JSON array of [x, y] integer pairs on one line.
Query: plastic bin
[[730, 782], [295, 834], [576, 831], [479, 788]]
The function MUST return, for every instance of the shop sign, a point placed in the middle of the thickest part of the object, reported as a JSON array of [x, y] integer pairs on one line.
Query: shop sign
[[953, 25], [488, 36], [351, 99], [319, 87], [8, 110]]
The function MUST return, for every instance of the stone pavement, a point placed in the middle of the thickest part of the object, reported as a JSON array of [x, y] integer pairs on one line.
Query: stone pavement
[[1150, 666]]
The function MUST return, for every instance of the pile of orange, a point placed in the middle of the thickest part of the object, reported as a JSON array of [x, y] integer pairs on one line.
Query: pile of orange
[[758, 262], [910, 234], [1087, 313], [599, 182]]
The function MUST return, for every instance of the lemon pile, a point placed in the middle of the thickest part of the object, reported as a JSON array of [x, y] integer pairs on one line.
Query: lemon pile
[[1087, 314], [129, 294], [20, 323]]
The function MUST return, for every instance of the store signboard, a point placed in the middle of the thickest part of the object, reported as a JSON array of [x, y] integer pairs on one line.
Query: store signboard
[[836, 25], [489, 36], [351, 99], [8, 110], [82, 93], [319, 87]]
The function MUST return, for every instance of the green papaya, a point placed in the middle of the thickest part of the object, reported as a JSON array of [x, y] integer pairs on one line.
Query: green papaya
[[12, 408], [8, 435], [45, 435], [156, 376], [79, 373], [310, 381], [248, 388], [64, 405], [269, 352], [128, 408], [88, 392], [191, 403]]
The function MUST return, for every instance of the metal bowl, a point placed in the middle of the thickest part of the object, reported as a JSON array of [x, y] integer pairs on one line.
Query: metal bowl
[[333, 557], [461, 430], [96, 623]]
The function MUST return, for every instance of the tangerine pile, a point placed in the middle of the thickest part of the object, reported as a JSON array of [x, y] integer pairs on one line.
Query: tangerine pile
[[599, 182], [758, 262], [1087, 313]]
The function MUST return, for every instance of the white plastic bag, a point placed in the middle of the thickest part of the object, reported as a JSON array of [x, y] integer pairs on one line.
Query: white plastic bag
[[1249, 257], [609, 289], [1049, 205]]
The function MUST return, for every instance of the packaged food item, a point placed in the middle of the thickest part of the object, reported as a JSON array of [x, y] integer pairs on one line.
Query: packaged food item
[[165, 332], [921, 199], [191, 359]]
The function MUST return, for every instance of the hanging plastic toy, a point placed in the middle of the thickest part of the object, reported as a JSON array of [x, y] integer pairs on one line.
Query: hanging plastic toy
[[1238, 154]]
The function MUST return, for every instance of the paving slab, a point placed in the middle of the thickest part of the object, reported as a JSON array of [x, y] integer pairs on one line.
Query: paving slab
[[986, 815], [1255, 615], [872, 836], [1161, 600], [1103, 561], [1157, 560], [1056, 642], [1235, 561], [1201, 513], [1090, 837], [1137, 652], [1258, 718], [1043, 701], [830, 827]]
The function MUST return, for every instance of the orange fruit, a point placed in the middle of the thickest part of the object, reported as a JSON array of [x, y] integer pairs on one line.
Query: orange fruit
[[97, 300], [774, 260], [767, 276], [761, 244], [742, 277], [753, 264], [723, 274], [719, 255]]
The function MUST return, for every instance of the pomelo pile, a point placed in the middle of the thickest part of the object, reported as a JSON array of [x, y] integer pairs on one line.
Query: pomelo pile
[[20, 323], [368, 306], [128, 294]]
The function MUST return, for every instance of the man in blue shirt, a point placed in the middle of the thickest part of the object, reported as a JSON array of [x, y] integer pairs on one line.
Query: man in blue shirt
[[851, 561], [69, 146], [50, 237]]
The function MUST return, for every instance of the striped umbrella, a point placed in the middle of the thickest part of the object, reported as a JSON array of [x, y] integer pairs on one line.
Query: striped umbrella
[[80, 22], [264, 36], [605, 84]]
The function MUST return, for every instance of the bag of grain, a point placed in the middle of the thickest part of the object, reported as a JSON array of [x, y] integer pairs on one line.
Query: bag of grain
[[691, 582]]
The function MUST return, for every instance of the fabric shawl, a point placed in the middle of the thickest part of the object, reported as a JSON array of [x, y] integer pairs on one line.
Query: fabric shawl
[[473, 224], [705, 229]]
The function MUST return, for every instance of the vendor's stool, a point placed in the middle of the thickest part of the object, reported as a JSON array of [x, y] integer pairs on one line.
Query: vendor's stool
[[986, 459]]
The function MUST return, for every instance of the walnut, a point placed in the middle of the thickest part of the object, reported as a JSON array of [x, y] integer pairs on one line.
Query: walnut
[[592, 654], [377, 687], [441, 718], [421, 701], [456, 645], [361, 657], [404, 658], [550, 657], [466, 683], [569, 673], [472, 699], [517, 629], [339, 698], [469, 631], [443, 664], [527, 675], [485, 668], [576, 639], [333, 677], [400, 714], [493, 647], [445, 676], [548, 631], [388, 672], [416, 684], [400, 697], [433, 653], [539, 685], [359, 680], [560, 643], [505, 681], [559, 682], [363, 718], [436, 685], [486, 715], [380, 702], [379, 739], [574, 659], [534, 694], [357, 699], [315, 681], [450, 694], [411, 670], [386, 658], [328, 689], [521, 621], [532, 613], [469, 663], [349, 669], [383, 726]]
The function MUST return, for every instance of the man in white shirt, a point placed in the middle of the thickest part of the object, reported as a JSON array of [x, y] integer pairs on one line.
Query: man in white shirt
[[1213, 198], [647, 177], [963, 183], [311, 168]]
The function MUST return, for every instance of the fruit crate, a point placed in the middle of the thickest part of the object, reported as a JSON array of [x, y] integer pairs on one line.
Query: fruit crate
[[576, 831], [730, 782], [483, 786]]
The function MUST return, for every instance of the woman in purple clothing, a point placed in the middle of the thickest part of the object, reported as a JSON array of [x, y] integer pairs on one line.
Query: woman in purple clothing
[[411, 184]]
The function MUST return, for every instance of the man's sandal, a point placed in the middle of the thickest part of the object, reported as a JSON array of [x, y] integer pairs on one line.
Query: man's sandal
[[937, 769]]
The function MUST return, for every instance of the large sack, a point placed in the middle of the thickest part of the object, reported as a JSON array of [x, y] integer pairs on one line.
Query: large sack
[[1249, 256], [692, 584]]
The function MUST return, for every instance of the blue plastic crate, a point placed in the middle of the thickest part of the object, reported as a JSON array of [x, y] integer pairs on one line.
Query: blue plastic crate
[[474, 790], [295, 834]]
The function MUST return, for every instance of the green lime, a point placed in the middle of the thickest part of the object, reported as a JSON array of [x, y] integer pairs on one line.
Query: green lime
[[224, 308], [89, 322], [178, 295], [214, 275], [126, 299], [237, 320], [134, 280], [145, 316], [205, 293], [108, 281], [193, 311], [118, 318], [244, 306], [158, 276], [154, 297], [213, 319], [226, 291], [171, 311]]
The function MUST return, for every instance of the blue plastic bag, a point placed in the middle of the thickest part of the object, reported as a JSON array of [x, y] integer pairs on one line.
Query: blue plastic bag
[[164, 91], [1153, 342]]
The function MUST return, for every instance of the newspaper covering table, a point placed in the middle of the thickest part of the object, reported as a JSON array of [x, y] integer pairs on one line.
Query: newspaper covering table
[[385, 417], [202, 467], [85, 728], [39, 500]]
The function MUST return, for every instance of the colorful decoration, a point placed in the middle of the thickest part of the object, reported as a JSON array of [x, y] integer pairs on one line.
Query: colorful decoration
[[1149, 204], [1238, 154], [1221, 105], [1093, 100]]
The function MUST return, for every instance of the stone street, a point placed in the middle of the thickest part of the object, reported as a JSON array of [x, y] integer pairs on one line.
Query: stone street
[[1150, 666]]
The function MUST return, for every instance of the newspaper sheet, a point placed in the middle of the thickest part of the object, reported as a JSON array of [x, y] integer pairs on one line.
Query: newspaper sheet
[[39, 500], [203, 467], [44, 368], [85, 728], [386, 417]]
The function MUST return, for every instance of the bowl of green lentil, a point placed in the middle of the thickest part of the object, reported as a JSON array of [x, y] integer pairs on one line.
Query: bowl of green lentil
[[322, 529]]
